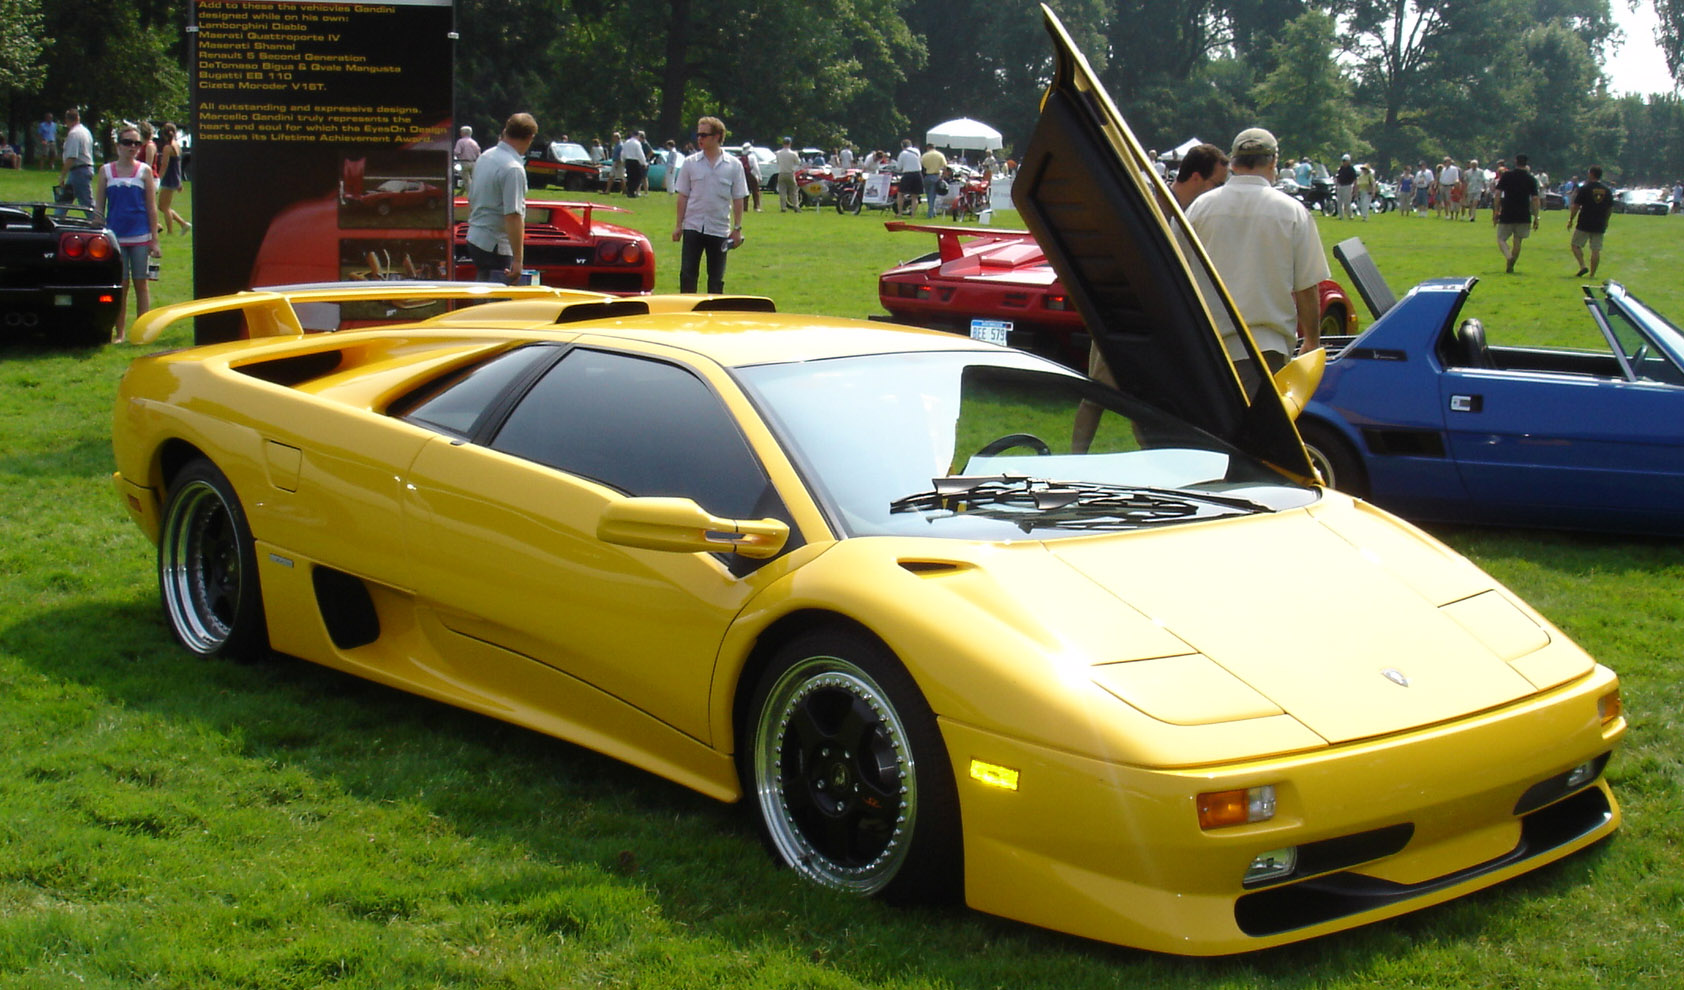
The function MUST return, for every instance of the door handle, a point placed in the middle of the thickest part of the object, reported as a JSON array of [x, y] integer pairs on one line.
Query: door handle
[[1466, 403]]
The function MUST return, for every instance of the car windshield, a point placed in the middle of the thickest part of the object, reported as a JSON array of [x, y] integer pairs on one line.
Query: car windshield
[[1655, 357], [567, 151], [969, 445]]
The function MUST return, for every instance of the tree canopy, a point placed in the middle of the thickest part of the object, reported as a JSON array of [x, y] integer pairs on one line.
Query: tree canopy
[[1389, 81]]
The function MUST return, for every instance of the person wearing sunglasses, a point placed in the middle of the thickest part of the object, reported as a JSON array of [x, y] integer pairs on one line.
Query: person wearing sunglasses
[[711, 191], [127, 192]]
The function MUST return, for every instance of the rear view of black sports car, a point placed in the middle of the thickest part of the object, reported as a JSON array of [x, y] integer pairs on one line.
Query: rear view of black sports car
[[61, 276]]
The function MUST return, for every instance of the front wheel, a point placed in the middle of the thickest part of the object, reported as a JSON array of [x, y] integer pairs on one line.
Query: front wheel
[[1340, 465], [848, 773], [207, 567]]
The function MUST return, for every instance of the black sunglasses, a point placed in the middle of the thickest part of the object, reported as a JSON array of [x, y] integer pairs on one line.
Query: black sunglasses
[[703, 134], [130, 142]]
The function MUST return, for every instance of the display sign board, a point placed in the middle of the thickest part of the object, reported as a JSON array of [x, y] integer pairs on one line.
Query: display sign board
[[877, 189], [321, 144]]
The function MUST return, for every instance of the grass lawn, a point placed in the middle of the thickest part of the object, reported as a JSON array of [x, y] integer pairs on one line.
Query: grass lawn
[[172, 822]]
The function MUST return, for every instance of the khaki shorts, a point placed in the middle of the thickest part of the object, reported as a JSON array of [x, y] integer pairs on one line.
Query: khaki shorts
[[1518, 231], [1583, 237]]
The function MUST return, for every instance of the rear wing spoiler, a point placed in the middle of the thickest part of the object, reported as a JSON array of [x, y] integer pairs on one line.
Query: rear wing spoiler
[[273, 312], [931, 228], [947, 237]]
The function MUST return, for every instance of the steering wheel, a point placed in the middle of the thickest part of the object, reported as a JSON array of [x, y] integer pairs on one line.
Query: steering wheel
[[1011, 440]]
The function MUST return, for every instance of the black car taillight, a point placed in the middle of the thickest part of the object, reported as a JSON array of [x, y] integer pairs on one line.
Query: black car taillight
[[76, 245]]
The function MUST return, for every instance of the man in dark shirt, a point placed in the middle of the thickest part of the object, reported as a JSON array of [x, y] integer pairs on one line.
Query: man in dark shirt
[[1516, 208], [1345, 187], [1592, 203]]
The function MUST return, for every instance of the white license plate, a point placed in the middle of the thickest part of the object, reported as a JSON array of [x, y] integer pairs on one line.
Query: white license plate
[[991, 331]]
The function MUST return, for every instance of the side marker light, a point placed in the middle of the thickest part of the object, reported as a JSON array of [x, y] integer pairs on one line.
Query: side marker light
[[994, 775]]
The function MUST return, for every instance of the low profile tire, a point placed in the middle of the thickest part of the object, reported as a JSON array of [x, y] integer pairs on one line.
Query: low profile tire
[[1333, 456], [207, 567], [848, 773]]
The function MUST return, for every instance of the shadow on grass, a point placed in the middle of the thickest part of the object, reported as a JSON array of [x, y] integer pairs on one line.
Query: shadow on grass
[[583, 818]]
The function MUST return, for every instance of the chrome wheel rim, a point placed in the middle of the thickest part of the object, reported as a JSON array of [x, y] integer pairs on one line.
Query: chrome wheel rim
[[1323, 466], [834, 776], [200, 567]]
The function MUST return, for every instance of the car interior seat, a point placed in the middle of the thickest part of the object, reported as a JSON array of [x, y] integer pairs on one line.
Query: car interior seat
[[1468, 350]]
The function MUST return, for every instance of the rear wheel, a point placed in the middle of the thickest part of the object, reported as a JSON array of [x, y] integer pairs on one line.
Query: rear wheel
[[848, 772], [1339, 464], [207, 567], [1333, 320]]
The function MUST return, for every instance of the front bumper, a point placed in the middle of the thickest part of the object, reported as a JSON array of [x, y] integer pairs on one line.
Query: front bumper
[[1385, 826]]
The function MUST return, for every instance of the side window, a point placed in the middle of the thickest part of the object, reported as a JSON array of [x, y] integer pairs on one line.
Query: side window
[[455, 404], [644, 427]]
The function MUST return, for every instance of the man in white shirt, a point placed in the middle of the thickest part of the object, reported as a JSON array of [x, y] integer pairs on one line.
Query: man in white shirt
[[1424, 180], [1449, 176], [77, 169], [911, 169], [1265, 246], [1476, 189], [789, 197], [712, 189], [467, 151], [497, 204], [637, 163]]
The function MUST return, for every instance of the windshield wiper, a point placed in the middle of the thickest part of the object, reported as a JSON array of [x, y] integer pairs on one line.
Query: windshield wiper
[[1129, 504]]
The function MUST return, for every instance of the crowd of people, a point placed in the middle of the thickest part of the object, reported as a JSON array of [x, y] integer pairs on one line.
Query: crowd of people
[[1451, 190]]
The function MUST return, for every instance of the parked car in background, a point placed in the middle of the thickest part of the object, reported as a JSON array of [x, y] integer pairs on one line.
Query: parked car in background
[[565, 164], [1423, 415], [61, 277], [997, 285], [657, 174], [1652, 202], [572, 248]]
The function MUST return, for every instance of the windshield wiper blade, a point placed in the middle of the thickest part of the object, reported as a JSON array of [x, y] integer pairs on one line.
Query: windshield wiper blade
[[1141, 503]]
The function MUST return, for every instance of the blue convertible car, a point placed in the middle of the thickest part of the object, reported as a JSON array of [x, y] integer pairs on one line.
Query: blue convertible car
[[1425, 418]]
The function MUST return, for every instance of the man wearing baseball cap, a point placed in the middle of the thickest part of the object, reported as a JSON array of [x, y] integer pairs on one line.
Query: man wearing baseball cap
[[1265, 246]]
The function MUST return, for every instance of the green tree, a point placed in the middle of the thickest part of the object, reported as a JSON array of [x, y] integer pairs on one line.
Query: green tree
[[1429, 70], [1564, 120], [1671, 13], [1306, 100], [1654, 153], [22, 44], [106, 62]]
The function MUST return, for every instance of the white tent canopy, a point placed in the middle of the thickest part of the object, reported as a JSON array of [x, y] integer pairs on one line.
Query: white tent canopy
[[964, 133], [1180, 151]]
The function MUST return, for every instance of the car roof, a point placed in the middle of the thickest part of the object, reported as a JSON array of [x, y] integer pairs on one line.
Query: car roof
[[736, 340]]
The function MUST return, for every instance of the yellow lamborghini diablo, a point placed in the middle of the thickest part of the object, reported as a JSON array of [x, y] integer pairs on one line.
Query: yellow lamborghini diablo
[[952, 620]]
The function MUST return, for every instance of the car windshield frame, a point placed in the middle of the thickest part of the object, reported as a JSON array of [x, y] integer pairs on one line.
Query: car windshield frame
[[882, 441], [1628, 314]]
